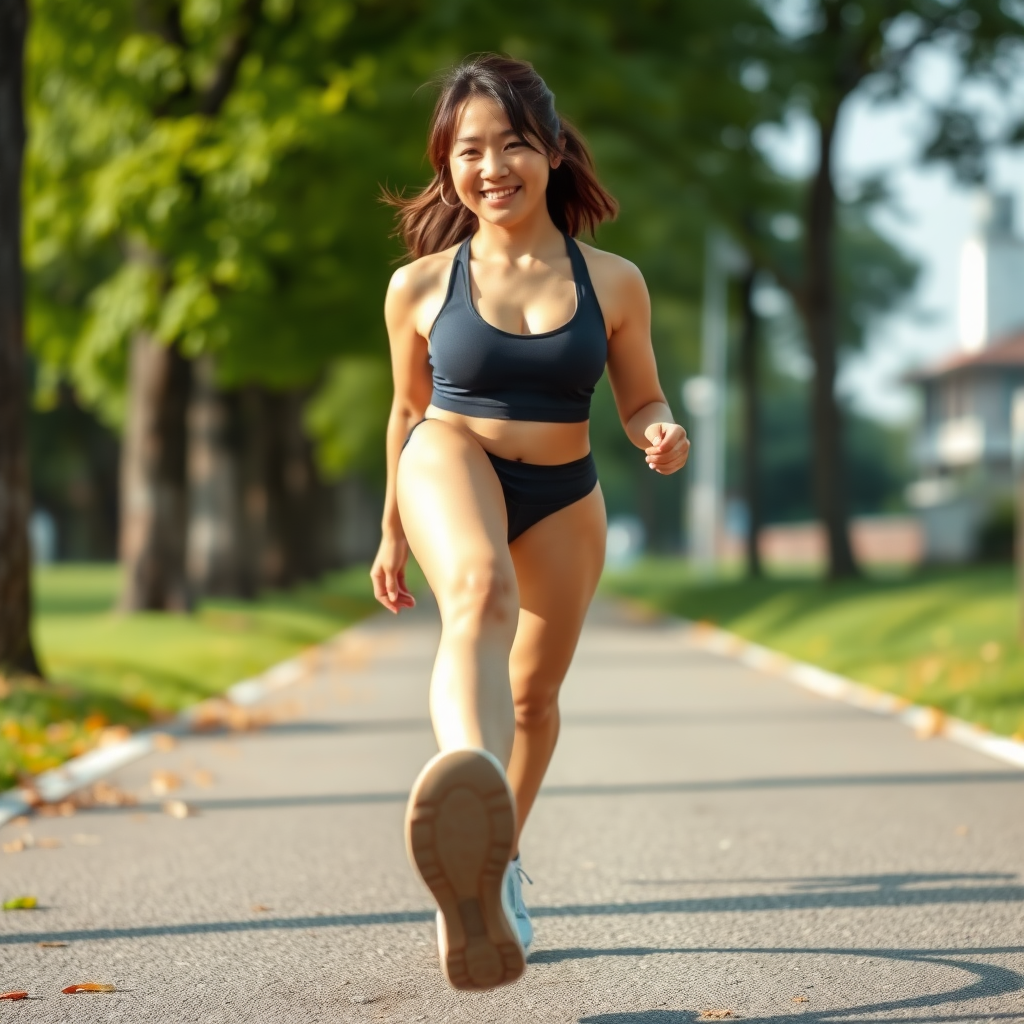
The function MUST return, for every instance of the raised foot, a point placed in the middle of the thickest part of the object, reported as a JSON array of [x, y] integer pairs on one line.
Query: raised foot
[[459, 828]]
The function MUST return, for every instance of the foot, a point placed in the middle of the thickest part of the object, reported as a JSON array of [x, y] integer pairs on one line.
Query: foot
[[459, 827], [514, 875]]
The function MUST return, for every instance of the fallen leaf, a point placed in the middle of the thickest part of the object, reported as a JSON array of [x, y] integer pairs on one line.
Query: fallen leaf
[[716, 1014], [259, 908], [51, 943], [113, 734], [13, 995], [163, 782], [177, 809], [20, 822], [49, 843], [82, 839], [800, 999], [164, 742], [202, 777], [20, 903], [929, 724], [89, 986], [362, 1000], [14, 846]]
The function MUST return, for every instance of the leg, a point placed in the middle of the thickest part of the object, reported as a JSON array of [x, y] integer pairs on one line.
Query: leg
[[558, 564], [453, 513], [460, 821]]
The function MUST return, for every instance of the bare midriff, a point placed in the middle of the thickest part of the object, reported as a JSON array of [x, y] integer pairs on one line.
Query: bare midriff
[[543, 444]]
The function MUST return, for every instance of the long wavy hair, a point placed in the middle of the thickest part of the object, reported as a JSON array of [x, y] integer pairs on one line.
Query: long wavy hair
[[434, 219]]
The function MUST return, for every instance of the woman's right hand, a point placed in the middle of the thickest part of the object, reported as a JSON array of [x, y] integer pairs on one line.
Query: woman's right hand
[[388, 574]]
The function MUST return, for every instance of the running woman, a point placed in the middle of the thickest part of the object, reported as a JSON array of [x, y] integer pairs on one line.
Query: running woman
[[500, 328]]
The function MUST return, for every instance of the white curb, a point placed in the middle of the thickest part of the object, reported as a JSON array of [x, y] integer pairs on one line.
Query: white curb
[[59, 783], [925, 721]]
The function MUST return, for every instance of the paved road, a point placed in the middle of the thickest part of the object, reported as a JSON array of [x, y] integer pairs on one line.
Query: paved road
[[709, 839]]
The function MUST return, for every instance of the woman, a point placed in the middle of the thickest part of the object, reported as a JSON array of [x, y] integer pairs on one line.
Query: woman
[[499, 330]]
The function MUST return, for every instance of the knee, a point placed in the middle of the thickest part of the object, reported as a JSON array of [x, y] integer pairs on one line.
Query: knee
[[482, 597], [536, 707]]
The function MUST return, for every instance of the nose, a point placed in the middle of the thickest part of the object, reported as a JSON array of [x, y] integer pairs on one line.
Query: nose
[[494, 164]]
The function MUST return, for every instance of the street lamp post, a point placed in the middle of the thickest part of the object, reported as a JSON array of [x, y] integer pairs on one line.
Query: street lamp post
[[704, 398]]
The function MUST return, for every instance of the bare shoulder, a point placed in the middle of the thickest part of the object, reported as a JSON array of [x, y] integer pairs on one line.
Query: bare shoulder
[[618, 283], [412, 281]]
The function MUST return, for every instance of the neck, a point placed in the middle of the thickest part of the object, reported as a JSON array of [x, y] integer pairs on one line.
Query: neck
[[535, 236]]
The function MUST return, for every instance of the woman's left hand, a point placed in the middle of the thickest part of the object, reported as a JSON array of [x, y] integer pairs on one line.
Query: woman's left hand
[[669, 449]]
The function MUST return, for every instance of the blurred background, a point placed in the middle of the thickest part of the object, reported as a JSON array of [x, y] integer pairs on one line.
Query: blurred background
[[824, 197]]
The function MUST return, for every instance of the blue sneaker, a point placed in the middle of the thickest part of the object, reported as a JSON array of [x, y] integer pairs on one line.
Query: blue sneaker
[[514, 875]]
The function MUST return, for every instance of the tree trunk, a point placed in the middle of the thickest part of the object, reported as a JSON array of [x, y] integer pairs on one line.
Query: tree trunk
[[16, 651], [154, 496], [219, 560], [294, 509], [749, 384], [819, 308]]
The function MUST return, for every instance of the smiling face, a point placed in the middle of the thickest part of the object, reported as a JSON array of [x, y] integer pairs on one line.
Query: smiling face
[[496, 174]]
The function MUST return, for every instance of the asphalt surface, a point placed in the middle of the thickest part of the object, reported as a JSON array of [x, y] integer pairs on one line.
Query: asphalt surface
[[710, 841]]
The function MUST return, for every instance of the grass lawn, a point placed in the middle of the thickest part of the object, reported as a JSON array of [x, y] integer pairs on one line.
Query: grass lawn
[[948, 639], [104, 668]]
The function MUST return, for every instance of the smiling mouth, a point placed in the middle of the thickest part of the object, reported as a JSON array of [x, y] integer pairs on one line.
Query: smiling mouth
[[500, 193]]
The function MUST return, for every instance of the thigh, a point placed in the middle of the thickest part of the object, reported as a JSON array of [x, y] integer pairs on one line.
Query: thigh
[[558, 563], [453, 510]]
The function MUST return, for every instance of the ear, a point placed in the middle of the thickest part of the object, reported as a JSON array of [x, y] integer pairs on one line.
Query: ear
[[555, 161]]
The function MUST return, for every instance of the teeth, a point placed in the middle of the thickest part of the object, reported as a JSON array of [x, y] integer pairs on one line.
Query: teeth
[[500, 193]]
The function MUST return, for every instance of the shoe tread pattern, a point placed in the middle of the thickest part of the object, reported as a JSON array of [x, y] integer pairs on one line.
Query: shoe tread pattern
[[459, 829]]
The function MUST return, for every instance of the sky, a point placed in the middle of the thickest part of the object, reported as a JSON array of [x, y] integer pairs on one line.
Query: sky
[[930, 219]]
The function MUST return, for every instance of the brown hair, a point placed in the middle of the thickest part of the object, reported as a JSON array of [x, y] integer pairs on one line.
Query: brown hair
[[576, 199]]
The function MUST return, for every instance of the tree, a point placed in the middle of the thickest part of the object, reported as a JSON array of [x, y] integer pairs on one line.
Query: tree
[[842, 48], [16, 651]]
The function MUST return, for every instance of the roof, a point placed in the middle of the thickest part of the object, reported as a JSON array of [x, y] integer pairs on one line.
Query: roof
[[1002, 353]]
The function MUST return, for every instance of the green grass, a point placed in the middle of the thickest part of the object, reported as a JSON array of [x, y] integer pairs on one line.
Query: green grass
[[948, 639], [104, 668]]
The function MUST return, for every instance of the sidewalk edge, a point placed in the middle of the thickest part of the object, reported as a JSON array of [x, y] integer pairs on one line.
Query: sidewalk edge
[[59, 783], [927, 722]]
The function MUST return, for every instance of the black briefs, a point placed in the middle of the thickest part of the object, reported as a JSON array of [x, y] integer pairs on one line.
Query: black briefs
[[533, 492]]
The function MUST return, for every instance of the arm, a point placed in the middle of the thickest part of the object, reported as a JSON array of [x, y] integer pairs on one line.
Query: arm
[[633, 373], [412, 386]]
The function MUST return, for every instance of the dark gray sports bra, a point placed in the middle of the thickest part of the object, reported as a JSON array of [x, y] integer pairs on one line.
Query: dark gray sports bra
[[480, 370]]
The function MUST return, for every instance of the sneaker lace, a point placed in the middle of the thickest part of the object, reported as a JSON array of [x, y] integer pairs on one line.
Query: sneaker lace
[[520, 874]]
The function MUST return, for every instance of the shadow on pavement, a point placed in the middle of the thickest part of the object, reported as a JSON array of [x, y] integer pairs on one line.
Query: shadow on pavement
[[604, 789], [877, 895], [988, 980]]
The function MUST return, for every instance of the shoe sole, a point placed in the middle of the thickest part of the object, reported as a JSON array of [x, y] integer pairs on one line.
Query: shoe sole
[[459, 828]]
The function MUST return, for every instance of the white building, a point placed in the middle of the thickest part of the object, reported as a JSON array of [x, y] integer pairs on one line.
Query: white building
[[964, 450]]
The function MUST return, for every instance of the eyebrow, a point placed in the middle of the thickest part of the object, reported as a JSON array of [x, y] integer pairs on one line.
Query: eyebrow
[[476, 138]]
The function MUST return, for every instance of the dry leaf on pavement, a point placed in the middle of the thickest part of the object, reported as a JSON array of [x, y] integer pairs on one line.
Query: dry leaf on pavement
[[13, 995], [717, 1014], [163, 782], [89, 986], [14, 846], [49, 843], [20, 903], [201, 777], [259, 908], [164, 742], [931, 723], [51, 943], [83, 839], [113, 734], [800, 999], [177, 808]]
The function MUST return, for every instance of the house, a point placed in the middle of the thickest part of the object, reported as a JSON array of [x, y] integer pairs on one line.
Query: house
[[964, 451]]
